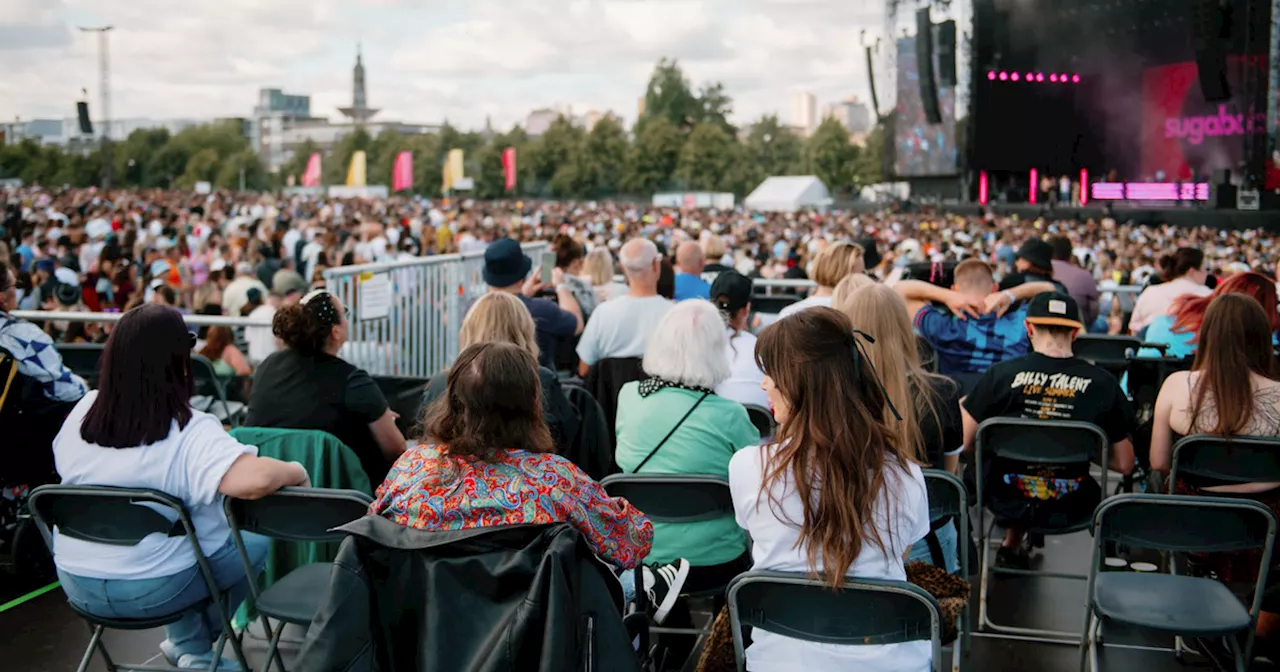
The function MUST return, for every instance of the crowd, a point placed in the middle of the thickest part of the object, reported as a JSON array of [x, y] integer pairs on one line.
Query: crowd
[[918, 327]]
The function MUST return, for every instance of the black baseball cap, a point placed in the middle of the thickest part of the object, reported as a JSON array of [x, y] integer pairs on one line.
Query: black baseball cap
[[1054, 309], [731, 291], [1037, 252]]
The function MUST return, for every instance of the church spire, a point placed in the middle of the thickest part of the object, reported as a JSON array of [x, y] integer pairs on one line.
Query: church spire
[[359, 112]]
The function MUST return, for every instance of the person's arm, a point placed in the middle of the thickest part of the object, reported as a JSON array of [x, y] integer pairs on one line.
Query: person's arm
[[252, 477], [918, 293], [589, 344], [388, 436], [232, 356], [614, 529], [1161, 433], [1121, 459], [57, 382], [970, 430], [1003, 300], [569, 304]]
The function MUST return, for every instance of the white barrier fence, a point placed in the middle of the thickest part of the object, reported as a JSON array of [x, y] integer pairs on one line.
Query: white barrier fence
[[406, 315]]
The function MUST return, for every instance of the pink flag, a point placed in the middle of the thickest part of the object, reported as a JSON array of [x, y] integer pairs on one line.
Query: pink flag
[[311, 178], [402, 173], [509, 167]]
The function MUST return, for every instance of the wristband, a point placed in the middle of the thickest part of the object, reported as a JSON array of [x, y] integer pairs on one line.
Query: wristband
[[1012, 299]]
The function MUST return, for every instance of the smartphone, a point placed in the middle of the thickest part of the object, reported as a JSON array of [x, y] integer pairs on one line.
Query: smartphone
[[548, 263]]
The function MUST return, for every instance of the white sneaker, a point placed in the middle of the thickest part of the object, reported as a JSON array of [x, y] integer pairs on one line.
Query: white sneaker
[[662, 584]]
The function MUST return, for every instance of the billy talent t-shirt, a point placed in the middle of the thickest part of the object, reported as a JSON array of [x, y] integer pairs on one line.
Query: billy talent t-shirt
[[1049, 388]]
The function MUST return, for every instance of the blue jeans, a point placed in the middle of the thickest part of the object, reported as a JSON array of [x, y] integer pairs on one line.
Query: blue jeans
[[151, 598], [947, 538]]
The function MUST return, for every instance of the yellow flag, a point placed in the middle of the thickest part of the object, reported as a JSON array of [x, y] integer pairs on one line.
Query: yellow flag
[[455, 166], [356, 173]]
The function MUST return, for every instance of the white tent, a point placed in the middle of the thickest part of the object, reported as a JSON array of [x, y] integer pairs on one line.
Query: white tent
[[788, 194]]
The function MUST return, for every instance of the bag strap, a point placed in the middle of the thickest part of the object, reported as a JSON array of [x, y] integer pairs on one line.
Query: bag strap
[[668, 436], [935, 549]]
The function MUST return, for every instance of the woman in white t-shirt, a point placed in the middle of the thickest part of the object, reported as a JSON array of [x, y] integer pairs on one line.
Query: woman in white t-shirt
[[731, 293], [837, 496], [139, 431], [834, 263]]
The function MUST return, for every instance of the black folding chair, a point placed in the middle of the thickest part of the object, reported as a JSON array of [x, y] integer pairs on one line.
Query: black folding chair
[[1178, 605], [1060, 442], [592, 449], [1110, 353], [299, 515], [763, 420], [670, 498], [861, 612], [207, 384], [1236, 459], [124, 517], [949, 500]]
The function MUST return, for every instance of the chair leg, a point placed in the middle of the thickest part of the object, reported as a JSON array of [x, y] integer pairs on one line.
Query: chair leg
[[983, 568], [273, 648], [94, 640], [1241, 663]]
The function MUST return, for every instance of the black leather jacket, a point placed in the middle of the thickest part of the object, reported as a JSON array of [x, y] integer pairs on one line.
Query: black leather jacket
[[529, 597]]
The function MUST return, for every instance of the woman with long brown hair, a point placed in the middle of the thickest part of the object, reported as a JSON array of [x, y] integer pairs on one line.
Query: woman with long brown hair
[[1232, 389], [219, 348], [838, 493]]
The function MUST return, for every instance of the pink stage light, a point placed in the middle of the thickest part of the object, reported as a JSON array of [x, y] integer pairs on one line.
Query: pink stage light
[[991, 76], [1039, 76], [1075, 79], [1031, 77], [1035, 185], [1004, 76], [1084, 186], [982, 187], [1015, 76], [1053, 78], [1062, 77]]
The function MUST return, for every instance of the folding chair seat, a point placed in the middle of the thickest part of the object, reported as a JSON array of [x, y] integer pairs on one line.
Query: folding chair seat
[[949, 500], [1059, 442], [123, 517], [861, 612], [1169, 603], [211, 393], [763, 420], [297, 515]]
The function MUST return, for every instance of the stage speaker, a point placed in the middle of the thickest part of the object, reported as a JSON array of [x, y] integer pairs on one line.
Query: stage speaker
[[924, 65], [871, 80], [1211, 23], [1222, 194], [82, 111], [947, 53]]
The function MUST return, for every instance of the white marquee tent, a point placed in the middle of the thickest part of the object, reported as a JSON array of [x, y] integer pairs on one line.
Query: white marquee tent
[[788, 194]]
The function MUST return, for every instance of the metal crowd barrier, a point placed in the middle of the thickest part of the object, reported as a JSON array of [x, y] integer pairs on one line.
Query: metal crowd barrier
[[112, 318], [406, 315]]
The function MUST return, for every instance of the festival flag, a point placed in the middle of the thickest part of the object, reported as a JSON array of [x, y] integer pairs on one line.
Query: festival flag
[[311, 178], [356, 172], [453, 170], [402, 172], [509, 167]]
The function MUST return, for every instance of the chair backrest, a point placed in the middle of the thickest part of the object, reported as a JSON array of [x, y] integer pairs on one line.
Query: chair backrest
[[1147, 374], [404, 396], [763, 420], [1182, 523], [206, 379], [771, 304], [82, 359], [298, 514], [592, 448], [947, 494], [862, 612], [670, 498], [1104, 349], [607, 377], [1237, 459], [1042, 441], [107, 515]]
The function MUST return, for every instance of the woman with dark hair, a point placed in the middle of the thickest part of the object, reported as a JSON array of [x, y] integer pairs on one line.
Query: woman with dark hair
[[1232, 389], [138, 430], [570, 256], [837, 494], [487, 459], [219, 348], [1182, 273], [1180, 327], [307, 386]]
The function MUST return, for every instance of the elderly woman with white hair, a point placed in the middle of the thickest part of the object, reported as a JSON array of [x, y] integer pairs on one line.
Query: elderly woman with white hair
[[672, 422]]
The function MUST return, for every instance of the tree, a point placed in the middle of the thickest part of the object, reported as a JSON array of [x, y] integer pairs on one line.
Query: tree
[[715, 106], [605, 158], [669, 96], [770, 149], [382, 156], [296, 166], [556, 160], [202, 167], [829, 155], [254, 173], [428, 163], [652, 159], [133, 157], [706, 158], [869, 167]]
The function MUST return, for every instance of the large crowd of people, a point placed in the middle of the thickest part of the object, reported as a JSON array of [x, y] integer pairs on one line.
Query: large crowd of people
[[917, 327]]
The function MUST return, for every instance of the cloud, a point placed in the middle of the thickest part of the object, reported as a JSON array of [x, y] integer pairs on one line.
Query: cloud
[[466, 62]]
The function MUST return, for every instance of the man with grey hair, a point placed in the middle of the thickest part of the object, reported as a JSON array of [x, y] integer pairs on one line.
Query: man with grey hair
[[621, 327]]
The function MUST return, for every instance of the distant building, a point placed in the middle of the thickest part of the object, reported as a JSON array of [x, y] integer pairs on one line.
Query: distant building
[[325, 135], [855, 115], [66, 132], [359, 112], [640, 108], [541, 119], [276, 113], [804, 113]]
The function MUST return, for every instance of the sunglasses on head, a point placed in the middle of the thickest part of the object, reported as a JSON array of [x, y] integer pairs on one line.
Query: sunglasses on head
[[191, 339]]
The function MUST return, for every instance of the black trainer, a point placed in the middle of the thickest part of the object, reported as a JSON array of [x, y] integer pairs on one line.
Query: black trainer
[[662, 584]]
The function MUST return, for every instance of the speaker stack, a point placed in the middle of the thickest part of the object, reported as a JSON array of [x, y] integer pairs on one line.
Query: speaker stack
[[924, 65], [82, 111], [1211, 21]]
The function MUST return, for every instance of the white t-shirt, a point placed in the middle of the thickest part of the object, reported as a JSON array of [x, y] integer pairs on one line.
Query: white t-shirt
[[621, 327], [262, 343], [743, 384], [1156, 299], [824, 301], [774, 547], [188, 464]]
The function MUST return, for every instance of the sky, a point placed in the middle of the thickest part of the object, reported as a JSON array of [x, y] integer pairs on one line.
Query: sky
[[428, 61]]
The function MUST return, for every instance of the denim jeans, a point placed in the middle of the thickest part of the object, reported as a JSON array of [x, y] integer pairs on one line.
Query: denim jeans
[[150, 598], [947, 537]]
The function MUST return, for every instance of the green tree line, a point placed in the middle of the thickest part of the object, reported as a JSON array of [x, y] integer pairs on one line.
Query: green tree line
[[682, 142]]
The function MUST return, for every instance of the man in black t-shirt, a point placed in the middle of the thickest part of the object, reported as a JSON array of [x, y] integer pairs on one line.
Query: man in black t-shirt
[[1048, 383]]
